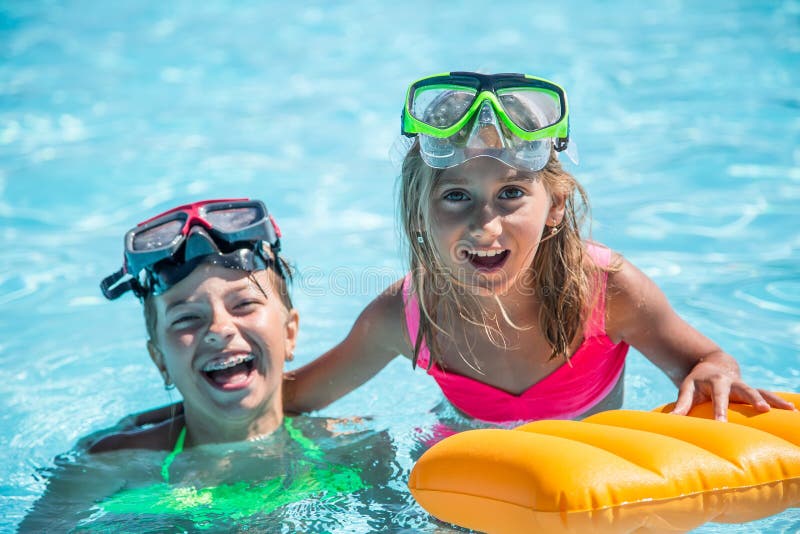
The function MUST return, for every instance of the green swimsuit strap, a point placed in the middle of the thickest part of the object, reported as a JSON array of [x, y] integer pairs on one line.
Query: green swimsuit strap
[[171, 456], [310, 449]]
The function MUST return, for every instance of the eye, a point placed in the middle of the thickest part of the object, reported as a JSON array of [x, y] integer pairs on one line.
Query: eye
[[512, 192], [246, 305], [455, 196], [184, 321]]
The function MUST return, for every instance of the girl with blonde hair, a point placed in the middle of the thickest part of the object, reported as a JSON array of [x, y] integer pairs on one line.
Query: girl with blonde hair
[[506, 306]]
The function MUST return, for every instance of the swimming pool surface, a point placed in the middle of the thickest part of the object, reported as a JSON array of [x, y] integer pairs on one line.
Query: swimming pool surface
[[687, 116]]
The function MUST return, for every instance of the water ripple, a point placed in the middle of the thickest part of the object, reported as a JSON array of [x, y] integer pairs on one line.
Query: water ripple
[[101, 125]]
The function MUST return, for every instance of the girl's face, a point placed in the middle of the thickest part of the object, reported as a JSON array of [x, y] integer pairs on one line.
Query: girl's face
[[487, 220], [223, 342]]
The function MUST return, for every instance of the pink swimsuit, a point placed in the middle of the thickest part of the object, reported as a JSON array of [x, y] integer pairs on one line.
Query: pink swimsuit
[[566, 393]]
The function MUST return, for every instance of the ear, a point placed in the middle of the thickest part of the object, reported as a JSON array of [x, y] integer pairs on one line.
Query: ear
[[158, 359], [292, 327], [556, 214]]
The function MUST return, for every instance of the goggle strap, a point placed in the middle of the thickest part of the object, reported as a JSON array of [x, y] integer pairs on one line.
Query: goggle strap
[[271, 263], [277, 264], [112, 288], [403, 131], [276, 247]]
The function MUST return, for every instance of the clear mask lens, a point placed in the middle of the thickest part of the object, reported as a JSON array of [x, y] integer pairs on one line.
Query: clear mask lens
[[233, 219], [157, 237], [485, 135], [441, 107], [530, 109]]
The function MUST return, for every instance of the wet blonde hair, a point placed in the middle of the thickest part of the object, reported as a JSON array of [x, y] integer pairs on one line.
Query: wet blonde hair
[[561, 275]]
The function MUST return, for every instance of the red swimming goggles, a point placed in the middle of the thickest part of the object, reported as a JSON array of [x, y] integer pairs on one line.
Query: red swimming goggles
[[163, 250]]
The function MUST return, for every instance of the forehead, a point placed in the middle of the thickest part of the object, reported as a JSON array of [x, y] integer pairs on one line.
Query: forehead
[[483, 169], [211, 281]]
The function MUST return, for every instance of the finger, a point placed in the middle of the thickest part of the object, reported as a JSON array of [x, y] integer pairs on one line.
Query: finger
[[685, 396], [750, 395], [775, 401], [722, 393]]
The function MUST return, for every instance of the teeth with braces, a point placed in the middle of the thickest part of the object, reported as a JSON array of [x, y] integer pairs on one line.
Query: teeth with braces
[[486, 253], [227, 363]]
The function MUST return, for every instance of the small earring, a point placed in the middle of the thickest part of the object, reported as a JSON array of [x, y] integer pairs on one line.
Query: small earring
[[290, 357], [553, 231], [420, 239], [169, 385]]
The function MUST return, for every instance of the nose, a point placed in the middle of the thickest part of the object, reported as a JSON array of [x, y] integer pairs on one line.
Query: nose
[[221, 329], [486, 224]]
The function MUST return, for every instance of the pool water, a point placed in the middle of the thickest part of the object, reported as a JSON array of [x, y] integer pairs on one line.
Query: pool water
[[687, 116]]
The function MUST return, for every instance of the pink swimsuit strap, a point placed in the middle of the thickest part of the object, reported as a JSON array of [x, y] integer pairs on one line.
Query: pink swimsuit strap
[[569, 391]]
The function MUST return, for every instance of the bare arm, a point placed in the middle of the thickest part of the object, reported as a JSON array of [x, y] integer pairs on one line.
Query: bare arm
[[376, 338], [639, 314], [149, 417]]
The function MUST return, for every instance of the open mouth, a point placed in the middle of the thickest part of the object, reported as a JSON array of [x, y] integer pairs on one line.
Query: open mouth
[[230, 372], [487, 260]]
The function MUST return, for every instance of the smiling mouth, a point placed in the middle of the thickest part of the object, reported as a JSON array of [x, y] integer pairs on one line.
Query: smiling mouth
[[487, 260], [230, 373]]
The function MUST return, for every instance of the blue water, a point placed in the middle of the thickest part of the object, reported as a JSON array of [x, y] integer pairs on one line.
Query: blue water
[[687, 116]]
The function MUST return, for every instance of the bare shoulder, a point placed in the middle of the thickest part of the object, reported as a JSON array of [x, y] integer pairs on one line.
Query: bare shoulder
[[159, 437], [148, 417], [631, 299], [624, 278]]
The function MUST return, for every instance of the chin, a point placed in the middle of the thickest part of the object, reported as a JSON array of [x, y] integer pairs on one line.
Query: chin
[[243, 405], [487, 286], [261, 402]]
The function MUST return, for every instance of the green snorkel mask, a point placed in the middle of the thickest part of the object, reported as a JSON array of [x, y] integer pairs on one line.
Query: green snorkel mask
[[515, 118]]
